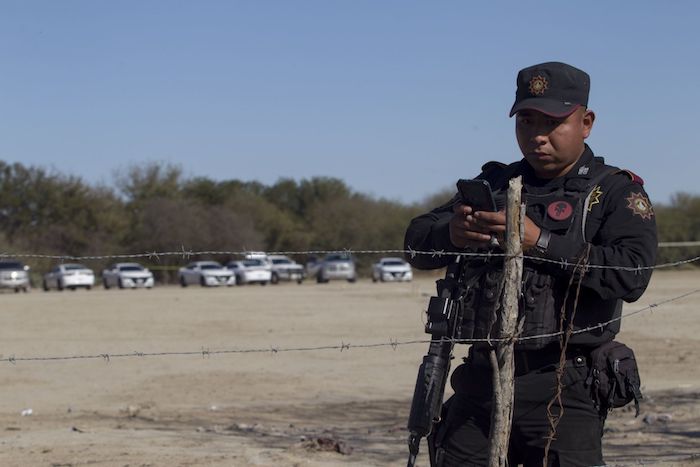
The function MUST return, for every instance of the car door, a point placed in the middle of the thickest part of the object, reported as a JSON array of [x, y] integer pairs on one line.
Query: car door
[[194, 272], [185, 274], [109, 276], [59, 277], [56, 276], [235, 269]]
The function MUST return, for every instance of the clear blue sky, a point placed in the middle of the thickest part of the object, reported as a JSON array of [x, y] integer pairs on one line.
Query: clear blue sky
[[397, 98]]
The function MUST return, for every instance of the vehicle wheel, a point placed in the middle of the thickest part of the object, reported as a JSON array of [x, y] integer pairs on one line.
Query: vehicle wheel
[[45, 286], [120, 284], [89, 287], [352, 279], [72, 289], [264, 283], [274, 279], [300, 281], [59, 285], [183, 282], [374, 279], [202, 282], [16, 289], [320, 279], [105, 284]]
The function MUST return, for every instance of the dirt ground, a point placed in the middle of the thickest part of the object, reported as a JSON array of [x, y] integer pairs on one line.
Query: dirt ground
[[277, 407]]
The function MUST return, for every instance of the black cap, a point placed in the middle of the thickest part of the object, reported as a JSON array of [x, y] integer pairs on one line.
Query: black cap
[[553, 88]]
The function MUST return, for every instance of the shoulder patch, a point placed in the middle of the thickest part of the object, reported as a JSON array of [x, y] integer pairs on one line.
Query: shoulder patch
[[640, 205], [632, 176]]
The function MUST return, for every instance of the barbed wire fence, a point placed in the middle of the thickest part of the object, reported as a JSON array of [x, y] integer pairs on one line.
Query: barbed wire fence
[[391, 343], [342, 346], [187, 254]]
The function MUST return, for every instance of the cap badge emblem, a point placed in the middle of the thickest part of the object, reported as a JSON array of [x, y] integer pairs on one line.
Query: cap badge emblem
[[640, 205], [538, 85], [560, 210]]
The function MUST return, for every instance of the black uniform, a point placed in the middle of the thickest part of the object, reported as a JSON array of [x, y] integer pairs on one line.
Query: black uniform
[[596, 209]]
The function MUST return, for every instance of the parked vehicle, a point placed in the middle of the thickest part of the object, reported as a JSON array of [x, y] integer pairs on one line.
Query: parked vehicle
[[69, 276], [391, 269], [253, 270], [206, 274], [14, 275], [285, 269], [332, 267], [127, 275]]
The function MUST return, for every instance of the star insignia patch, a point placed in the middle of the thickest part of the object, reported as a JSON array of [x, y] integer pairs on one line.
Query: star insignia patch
[[595, 197], [538, 85], [640, 205]]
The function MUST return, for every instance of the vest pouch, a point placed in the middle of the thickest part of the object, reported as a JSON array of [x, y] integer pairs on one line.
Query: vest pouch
[[469, 306], [539, 310], [614, 377], [480, 305]]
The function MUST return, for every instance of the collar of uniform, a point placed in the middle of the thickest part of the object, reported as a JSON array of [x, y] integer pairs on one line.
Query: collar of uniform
[[582, 169], [584, 165]]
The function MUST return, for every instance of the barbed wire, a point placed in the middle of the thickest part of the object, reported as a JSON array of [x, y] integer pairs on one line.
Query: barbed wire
[[343, 346], [188, 254], [678, 244]]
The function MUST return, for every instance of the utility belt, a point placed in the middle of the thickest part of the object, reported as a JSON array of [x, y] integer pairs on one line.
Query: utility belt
[[613, 377], [527, 361]]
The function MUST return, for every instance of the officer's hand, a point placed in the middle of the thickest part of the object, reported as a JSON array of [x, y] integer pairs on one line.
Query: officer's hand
[[465, 231], [496, 222]]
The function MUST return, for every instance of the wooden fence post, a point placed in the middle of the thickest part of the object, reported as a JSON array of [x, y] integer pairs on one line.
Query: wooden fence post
[[502, 355]]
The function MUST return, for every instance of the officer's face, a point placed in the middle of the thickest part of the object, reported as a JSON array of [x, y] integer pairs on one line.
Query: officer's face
[[552, 145]]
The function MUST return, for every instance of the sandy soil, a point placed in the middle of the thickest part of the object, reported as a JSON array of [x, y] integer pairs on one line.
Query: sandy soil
[[283, 408]]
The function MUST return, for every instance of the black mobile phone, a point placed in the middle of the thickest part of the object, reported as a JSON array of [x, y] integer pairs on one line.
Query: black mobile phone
[[477, 194]]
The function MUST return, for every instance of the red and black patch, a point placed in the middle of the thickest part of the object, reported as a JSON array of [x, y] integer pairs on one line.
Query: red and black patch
[[640, 205], [560, 210], [633, 176]]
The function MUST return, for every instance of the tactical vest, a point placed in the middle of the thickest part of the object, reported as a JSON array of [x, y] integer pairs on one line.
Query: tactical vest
[[562, 211]]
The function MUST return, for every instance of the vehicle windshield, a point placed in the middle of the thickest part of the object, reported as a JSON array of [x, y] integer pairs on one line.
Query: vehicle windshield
[[393, 262], [11, 265], [210, 266], [73, 267], [253, 262], [281, 261], [131, 267], [337, 258]]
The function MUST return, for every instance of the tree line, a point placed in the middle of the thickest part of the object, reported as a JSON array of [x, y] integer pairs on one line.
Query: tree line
[[154, 207]]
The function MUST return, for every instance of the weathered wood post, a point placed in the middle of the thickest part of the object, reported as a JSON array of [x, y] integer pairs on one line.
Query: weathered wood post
[[502, 356]]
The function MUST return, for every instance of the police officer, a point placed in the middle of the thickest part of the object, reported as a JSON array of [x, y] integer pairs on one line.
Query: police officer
[[578, 207]]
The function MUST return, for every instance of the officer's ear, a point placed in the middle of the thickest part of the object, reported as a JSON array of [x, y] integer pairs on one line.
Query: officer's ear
[[587, 120]]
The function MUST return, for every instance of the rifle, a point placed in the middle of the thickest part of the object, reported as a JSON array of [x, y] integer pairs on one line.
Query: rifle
[[443, 324]]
